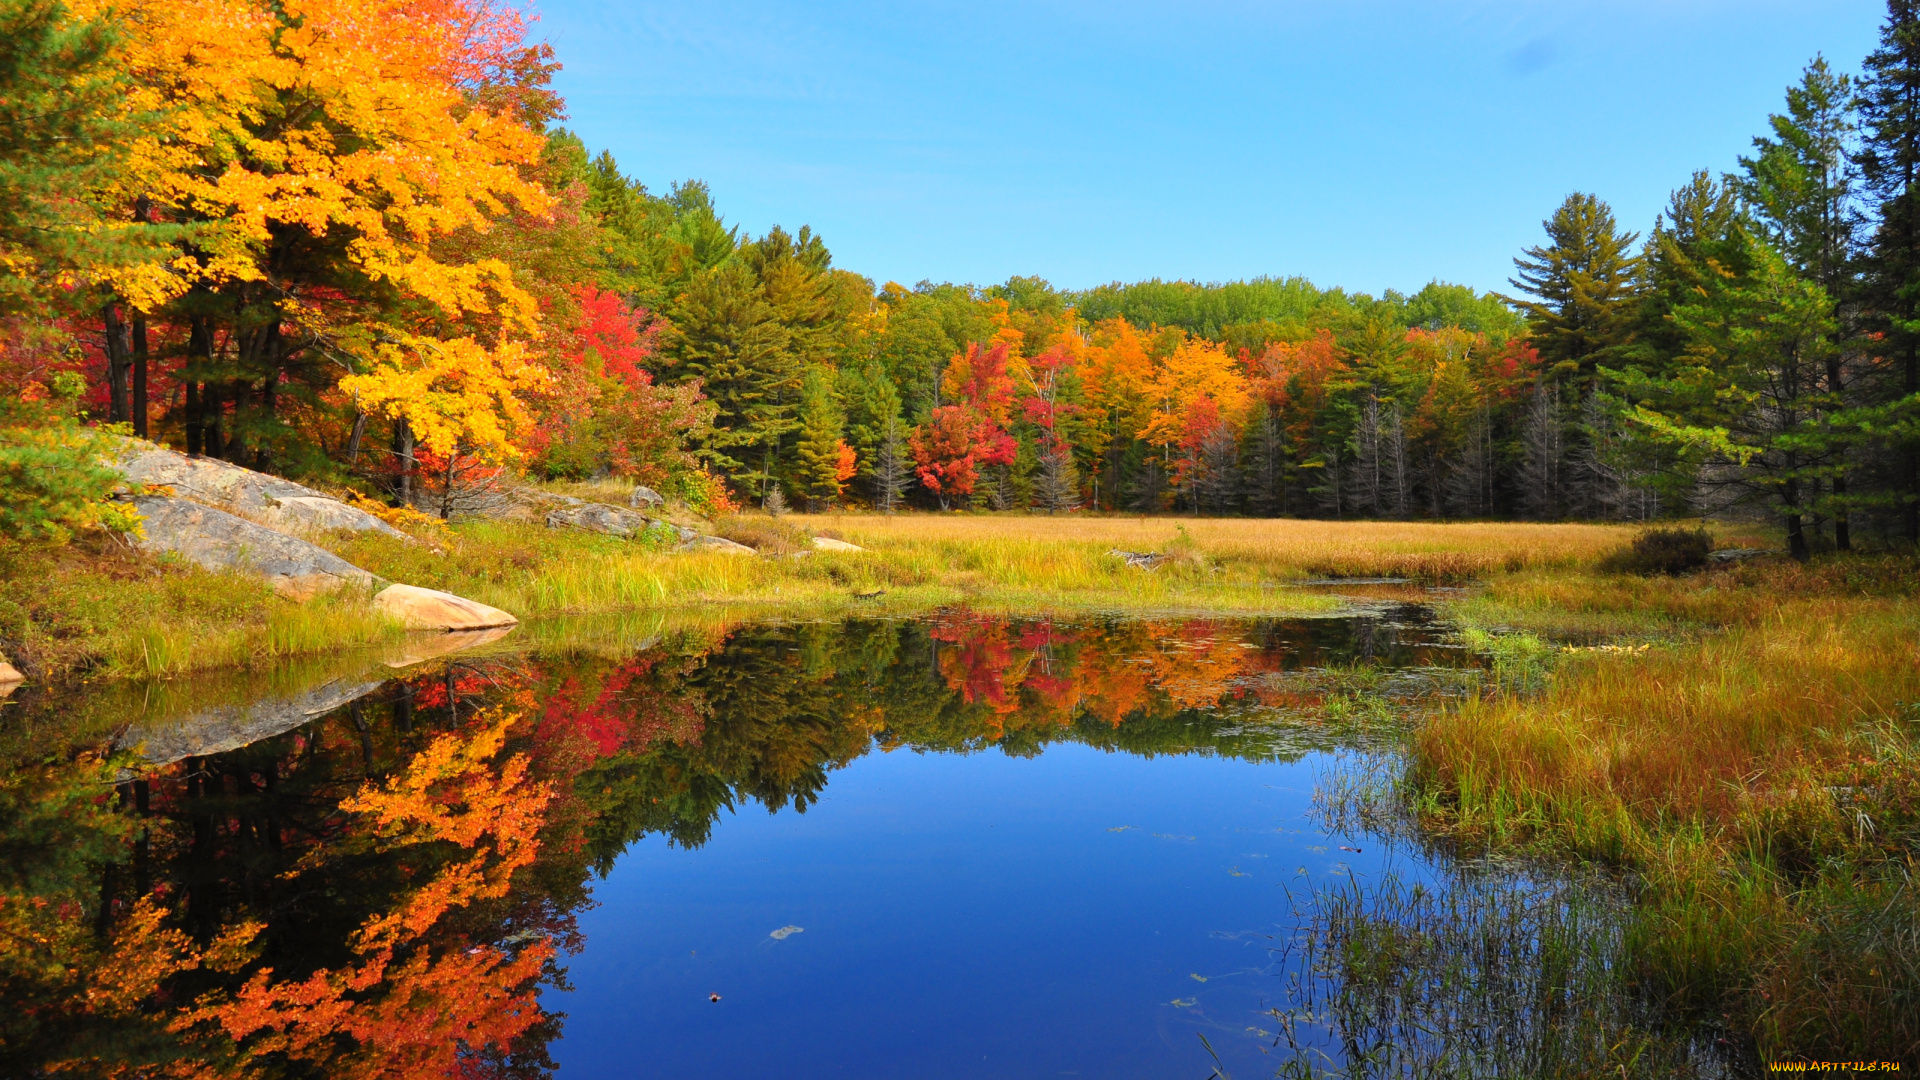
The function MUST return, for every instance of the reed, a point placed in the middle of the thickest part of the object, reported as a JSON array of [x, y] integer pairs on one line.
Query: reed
[[1762, 782], [1280, 549]]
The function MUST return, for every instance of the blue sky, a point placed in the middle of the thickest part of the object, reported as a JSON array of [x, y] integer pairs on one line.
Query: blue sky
[[1365, 145]]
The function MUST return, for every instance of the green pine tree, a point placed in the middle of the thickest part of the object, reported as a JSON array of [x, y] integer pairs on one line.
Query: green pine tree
[[60, 88], [1889, 161], [817, 458], [1742, 403], [1583, 285], [1799, 186], [728, 336]]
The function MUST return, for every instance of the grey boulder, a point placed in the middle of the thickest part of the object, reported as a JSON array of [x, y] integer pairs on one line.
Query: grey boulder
[[268, 500], [645, 498], [600, 518], [218, 540]]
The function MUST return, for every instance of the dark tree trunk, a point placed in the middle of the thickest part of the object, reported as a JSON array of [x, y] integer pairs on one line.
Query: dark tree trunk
[[140, 354], [1913, 452], [403, 461], [267, 358], [117, 350], [195, 420], [353, 441], [200, 406], [269, 391], [210, 405], [1796, 532]]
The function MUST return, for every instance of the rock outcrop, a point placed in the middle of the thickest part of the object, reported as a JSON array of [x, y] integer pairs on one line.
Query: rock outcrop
[[231, 727], [265, 500], [431, 609], [645, 498], [720, 544], [218, 540], [600, 518], [828, 543]]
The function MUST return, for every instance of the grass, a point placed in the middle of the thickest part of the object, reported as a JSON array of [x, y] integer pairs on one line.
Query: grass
[[97, 608], [1275, 550], [1758, 771]]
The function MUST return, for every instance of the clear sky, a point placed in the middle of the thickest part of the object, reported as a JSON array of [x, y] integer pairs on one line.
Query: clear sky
[[1366, 145]]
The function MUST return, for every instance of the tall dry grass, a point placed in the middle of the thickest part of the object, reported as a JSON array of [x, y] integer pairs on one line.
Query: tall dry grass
[[1281, 549], [1764, 783]]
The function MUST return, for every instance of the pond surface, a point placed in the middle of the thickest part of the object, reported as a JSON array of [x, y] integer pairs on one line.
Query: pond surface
[[961, 846]]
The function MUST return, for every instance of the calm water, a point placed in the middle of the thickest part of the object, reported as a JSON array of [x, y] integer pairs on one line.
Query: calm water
[[965, 846]]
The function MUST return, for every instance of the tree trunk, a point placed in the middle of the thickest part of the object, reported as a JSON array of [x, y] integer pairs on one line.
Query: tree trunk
[[199, 392], [210, 406], [1913, 452], [353, 441], [1796, 533], [403, 460], [268, 399], [117, 350], [139, 403], [195, 420]]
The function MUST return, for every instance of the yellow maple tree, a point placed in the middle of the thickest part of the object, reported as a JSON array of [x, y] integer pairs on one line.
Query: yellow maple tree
[[314, 151], [1197, 369]]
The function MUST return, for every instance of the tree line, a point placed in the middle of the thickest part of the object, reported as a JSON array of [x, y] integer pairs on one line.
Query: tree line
[[348, 241]]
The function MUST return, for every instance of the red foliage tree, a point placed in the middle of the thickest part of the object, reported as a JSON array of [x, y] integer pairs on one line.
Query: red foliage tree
[[951, 446]]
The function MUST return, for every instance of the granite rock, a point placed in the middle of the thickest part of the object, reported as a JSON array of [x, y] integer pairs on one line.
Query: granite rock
[[265, 500], [600, 518], [431, 609], [218, 540]]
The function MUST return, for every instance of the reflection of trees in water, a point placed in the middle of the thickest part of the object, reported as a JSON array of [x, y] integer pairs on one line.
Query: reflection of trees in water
[[381, 890], [353, 898], [779, 707]]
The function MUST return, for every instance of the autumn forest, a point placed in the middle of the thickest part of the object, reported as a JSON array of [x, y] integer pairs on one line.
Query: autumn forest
[[353, 243]]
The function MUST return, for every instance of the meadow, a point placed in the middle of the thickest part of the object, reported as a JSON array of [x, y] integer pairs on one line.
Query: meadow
[[97, 608]]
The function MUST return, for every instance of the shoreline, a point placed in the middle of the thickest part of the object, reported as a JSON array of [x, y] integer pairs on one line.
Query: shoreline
[[97, 609]]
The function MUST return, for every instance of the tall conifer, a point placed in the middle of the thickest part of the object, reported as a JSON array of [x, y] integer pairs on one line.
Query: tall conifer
[[1582, 283], [1889, 160]]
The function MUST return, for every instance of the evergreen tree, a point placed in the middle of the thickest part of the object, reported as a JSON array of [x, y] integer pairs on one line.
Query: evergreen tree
[[1583, 284], [1699, 217], [1800, 182], [821, 459], [1889, 159], [58, 87], [1744, 403], [1800, 186], [729, 337], [1265, 462]]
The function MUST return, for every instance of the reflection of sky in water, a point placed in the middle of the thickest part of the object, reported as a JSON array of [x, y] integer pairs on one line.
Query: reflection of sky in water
[[964, 915]]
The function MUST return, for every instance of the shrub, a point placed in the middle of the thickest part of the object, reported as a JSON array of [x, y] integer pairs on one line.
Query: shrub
[[1662, 551], [52, 482]]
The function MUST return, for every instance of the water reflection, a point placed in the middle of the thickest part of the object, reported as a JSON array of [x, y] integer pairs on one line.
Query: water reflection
[[368, 867]]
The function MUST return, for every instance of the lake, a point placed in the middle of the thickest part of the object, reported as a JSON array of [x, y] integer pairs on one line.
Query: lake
[[961, 846]]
